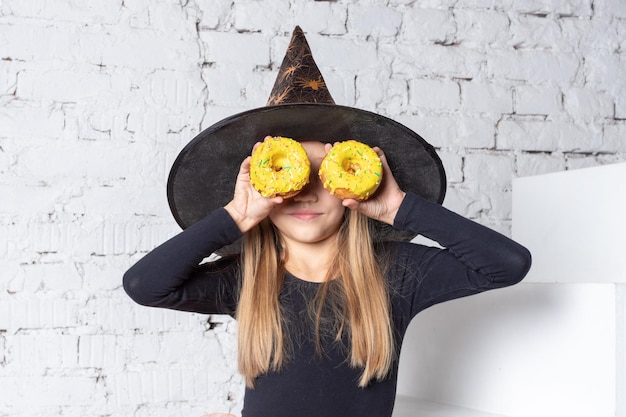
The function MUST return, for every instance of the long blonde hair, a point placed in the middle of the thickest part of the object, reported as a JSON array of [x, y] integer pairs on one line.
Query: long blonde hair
[[361, 305]]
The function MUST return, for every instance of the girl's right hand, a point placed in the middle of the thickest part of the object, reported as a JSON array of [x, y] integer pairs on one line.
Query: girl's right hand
[[248, 207]]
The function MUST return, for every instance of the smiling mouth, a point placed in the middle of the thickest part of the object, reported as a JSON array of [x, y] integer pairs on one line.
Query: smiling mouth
[[305, 215]]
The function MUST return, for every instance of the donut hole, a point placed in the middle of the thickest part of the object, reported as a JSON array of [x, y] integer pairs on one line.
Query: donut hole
[[280, 161], [350, 166]]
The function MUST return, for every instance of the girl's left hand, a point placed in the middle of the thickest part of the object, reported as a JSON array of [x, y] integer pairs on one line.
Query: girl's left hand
[[384, 204]]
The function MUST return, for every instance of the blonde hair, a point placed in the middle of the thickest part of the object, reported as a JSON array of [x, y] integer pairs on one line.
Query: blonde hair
[[358, 300]]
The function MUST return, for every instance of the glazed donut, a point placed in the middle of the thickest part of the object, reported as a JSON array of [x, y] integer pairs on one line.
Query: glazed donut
[[351, 170], [279, 167]]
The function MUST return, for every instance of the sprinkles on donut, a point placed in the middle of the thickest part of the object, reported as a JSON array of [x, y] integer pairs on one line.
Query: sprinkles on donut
[[351, 170], [279, 167]]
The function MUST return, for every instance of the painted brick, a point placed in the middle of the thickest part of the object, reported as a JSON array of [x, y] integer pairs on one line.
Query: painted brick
[[175, 90], [120, 314], [225, 86], [421, 25], [580, 161], [442, 61], [349, 54], [328, 18], [536, 135], [467, 202], [539, 8], [185, 348], [614, 8], [51, 390], [547, 66], [486, 98], [545, 100], [102, 275], [218, 112], [8, 76], [615, 137], [100, 351], [534, 31], [22, 41], [153, 126], [53, 277], [450, 131], [342, 85], [254, 17], [252, 49], [477, 27], [494, 173], [434, 94], [590, 34], [538, 163], [90, 12], [12, 278], [114, 201], [24, 120], [453, 164], [32, 354], [133, 49], [2, 349], [620, 104], [373, 20], [375, 89], [212, 13], [29, 312], [604, 70], [587, 105]]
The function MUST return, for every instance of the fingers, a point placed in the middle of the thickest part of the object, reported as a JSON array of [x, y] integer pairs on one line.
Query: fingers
[[277, 200], [382, 156], [256, 145], [351, 204], [244, 168]]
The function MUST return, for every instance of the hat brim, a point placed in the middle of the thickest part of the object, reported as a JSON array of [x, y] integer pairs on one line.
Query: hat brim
[[203, 175]]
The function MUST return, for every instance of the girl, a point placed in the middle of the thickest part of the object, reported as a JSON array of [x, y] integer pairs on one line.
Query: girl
[[321, 308]]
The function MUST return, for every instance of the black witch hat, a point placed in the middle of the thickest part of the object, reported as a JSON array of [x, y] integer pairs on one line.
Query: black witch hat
[[300, 106]]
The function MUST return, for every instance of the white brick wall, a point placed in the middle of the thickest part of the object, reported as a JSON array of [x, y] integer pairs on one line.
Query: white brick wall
[[98, 97]]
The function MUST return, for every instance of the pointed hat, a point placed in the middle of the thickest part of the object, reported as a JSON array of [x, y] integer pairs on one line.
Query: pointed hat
[[299, 79], [300, 106]]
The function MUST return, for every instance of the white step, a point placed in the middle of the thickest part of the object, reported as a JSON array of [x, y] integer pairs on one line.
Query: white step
[[573, 222], [413, 407]]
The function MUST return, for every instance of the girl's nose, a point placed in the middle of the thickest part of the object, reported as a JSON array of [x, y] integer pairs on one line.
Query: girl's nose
[[310, 191]]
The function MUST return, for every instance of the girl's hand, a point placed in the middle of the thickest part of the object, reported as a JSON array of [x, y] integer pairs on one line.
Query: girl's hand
[[248, 207], [384, 204]]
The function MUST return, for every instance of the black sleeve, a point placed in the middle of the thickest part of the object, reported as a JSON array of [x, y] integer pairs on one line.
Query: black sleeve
[[474, 258], [171, 276]]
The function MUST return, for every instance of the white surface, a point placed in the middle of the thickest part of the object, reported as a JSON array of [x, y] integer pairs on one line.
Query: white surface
[[574, 223], [620, 360], [413, 407], [532, 350]]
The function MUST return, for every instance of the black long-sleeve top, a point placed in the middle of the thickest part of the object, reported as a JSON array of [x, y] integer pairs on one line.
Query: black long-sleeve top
[[474, 259]]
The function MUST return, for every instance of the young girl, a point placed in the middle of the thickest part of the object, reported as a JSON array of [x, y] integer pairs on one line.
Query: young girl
[[322, 309]]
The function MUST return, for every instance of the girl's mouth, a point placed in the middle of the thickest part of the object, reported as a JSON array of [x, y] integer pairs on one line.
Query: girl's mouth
[[305, 215]]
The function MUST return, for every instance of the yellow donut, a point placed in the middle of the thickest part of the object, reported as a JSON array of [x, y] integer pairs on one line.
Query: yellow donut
[[279, 167], [351, 170]]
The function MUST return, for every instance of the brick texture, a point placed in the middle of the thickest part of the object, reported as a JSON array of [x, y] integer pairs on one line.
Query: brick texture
[[98, 97]]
